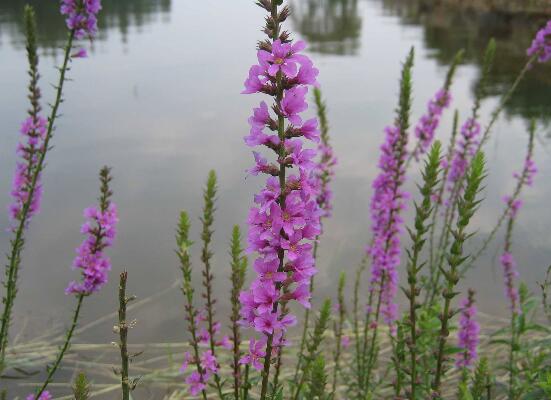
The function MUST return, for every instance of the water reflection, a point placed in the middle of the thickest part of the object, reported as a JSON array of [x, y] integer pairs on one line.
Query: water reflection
[[450, 27], [116, 14], [330, 26]]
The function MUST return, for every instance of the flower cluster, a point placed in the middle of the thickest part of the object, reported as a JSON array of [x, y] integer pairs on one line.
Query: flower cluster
[[33, 131], [81, 16], [387, 202], [286, 217], [91, 259], [469, 330], [44, 396], [541, 45], [197, 381], [465, 148], [324, 171], [100, 230], [428, 123], [510, 273]]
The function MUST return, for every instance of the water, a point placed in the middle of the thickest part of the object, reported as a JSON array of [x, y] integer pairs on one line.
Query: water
[[158, 100]]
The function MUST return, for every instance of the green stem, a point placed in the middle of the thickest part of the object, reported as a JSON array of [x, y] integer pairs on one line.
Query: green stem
[[52, 370], [246, 383], [18, 242], [123, 335], [512, 357]]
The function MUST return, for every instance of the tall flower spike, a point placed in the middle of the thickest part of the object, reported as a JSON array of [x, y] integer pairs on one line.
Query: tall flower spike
[[426, 127], [388, 201], [469, 331], [33, 133], [100, 230], [285, 220], [468, 143]]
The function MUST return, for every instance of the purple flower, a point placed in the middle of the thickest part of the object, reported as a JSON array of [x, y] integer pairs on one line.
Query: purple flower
[[307, 73], [345, 341], [185, 363], [196, 383], [464, 150], [254, 83], [44, 396], [541, 45], [100, 231], [267, 270], [469, 330], [428, 123], [256, 353], [265, 295], [81, 16], [282, 58], [208, 362], [267, 322], [293, 103], [80, 53]]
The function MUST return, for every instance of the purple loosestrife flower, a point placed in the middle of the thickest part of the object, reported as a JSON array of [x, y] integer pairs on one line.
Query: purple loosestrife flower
[[100, 230], [387, 202], [469, 330], [255, 354], [44, 396], [286, 217], [541, 45], [465, 148], [33, 133], [428, 123], [81, 16], [197, 382]]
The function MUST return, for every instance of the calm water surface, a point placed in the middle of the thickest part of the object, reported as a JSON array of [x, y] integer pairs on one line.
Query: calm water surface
[[158, 100]]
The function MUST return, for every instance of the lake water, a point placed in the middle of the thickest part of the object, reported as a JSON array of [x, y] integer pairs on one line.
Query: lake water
[[158, 100]]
